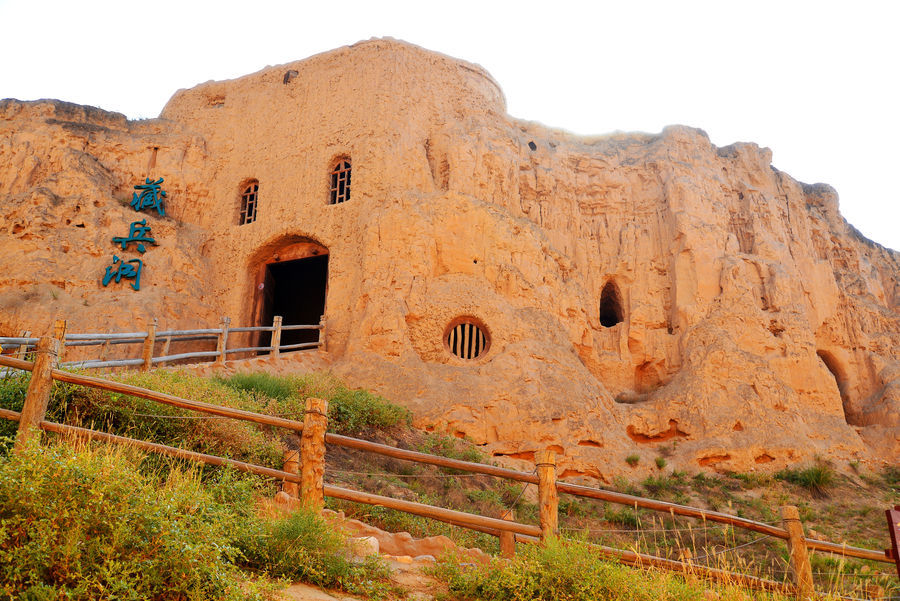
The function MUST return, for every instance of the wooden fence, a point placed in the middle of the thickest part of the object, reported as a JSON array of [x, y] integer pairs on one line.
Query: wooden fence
[[307, 476], [22, 346]]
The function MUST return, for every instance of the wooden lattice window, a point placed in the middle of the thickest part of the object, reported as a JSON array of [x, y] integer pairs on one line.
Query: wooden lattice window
[[467, 339], [340, 182], [249, 200]]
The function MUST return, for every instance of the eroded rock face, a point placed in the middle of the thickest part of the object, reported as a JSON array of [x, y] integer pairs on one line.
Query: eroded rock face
[[639, 293]]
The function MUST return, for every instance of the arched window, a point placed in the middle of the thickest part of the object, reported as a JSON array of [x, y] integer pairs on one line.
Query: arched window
[[248, 203], [610, 305], [340, 182]]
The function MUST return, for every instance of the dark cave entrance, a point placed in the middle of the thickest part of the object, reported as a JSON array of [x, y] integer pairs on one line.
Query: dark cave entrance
[[295, 290], [611, 306]]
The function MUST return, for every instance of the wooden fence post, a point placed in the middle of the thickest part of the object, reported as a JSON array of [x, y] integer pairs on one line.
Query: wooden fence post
[[149, 341], [545, 462], [59, 332], [312, 454], [322, 346], [291, 465], [38, 395], [104, 350], [23, 348], [276, 335], [508, 539], [801, 571], [223, 341]]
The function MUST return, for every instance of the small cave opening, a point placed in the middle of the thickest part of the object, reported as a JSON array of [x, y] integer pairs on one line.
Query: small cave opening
[[611, 305], [840, 378]]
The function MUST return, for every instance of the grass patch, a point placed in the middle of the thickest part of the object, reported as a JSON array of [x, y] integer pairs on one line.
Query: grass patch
[[817, 478], [633, 459], [572, 571], [350, 411]]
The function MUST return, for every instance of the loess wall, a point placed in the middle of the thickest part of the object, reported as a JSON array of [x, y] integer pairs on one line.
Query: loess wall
[[758, 328]]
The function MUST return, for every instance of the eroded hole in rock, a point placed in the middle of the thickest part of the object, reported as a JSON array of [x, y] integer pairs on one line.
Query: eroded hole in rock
[[466, 338], [524, 455], [840, 377], [738, 427], [611, 305], [712, 460], [289, 75], [532, 145], [764, 458], [776, 328], [672, 432], [590, 443], [648, 376]]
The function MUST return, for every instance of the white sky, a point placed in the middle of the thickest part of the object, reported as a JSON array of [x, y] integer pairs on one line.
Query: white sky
[[817, 82]]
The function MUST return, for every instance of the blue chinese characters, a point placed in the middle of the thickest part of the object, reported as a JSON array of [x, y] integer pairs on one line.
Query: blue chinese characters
[[151, 197]]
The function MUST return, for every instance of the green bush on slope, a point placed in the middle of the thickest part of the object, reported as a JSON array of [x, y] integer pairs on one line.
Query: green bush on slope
[[90, 525], [87, 522]]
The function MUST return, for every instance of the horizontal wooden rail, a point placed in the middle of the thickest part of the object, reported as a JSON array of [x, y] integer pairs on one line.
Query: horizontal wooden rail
[[574, 489], [111, 336], [248, 349], [194, 355], [102, 342], [467, 466], [95, 363], [252, 329], [160, 397], [167, 450], [298, 327], [206, 332], [290, 347], [603, 495], [437, 513], [10, 415]]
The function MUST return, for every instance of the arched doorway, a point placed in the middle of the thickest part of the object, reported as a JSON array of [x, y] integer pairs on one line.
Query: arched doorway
[[291, 281]]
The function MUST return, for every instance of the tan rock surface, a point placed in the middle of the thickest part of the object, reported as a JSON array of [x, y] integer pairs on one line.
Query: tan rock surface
[[759, 329]]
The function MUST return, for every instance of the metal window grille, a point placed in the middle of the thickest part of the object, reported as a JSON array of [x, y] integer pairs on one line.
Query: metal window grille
[[340, 182], [466, 340], [248, 203]]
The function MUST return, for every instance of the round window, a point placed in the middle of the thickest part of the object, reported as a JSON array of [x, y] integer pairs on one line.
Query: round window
[[467, 339]]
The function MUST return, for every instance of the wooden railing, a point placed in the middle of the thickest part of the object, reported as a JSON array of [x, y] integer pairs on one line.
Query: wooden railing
[[22, 346], [309, 471]]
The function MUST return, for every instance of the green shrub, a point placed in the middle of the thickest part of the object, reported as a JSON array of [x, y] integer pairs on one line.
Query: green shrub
[[817, 478], [90, 525], [452, 448], [274, 387], [302, 546], [350, 412], [633, 459], [12, 397], [660, 462]]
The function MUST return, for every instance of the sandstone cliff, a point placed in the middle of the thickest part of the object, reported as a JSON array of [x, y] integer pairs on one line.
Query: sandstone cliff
[[641, 293]]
